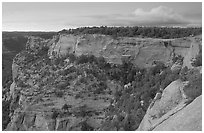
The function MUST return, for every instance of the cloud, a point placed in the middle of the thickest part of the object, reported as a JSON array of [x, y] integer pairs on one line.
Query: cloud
[[158, 16], [161, 15], [161, 12]]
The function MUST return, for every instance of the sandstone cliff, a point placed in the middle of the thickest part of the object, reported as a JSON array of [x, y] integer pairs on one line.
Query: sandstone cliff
[[142, 51]]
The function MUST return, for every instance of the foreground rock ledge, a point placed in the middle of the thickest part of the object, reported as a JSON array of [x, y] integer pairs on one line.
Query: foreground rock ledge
[[173, 112]]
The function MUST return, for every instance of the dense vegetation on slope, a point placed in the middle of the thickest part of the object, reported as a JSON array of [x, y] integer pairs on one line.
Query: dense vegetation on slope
[[137, 88], [126, 111], [153, 32]]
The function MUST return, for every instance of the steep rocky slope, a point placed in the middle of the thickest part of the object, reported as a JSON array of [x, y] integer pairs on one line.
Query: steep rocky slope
[[189, 119], [49, 97], [46, 95], [181, 118], [173, 110]]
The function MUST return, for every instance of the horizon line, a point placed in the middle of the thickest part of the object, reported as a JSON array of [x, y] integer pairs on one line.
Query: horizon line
[[96, 26]]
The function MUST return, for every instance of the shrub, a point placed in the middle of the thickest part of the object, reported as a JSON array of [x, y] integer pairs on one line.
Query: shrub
[[178, 58], [101, 62], [68, 71], [82, 59], [22, 84], [29, 57], [86, 127], [43, 51], [77, 96], [194, 88], [57, 61], [59, 93], [55, 114], [82, 111], [63, 85], [183, 73], [198, 60], [168, 77], [159, 66], [66, 107], [72, 57]]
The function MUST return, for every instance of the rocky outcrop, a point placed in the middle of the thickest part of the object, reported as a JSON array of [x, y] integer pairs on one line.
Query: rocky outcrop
[[188, 119], [173, 111], [141, 51], [62, 44]]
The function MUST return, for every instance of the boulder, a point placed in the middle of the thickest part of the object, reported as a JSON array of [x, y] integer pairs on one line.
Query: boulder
[[172, 110], [188, 119]]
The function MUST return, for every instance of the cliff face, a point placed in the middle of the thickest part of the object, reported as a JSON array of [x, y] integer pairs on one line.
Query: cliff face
[[45, 96], [142, 51]]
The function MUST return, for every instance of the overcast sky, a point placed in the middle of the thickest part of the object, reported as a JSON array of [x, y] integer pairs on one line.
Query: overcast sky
[[57, 16]]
